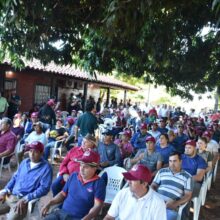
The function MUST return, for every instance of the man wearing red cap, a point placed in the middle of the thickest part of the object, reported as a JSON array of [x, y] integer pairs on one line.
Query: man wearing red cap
[[70, 165], [138, 201], [195, 165], [149, 157], [31, 181], [83, 194]]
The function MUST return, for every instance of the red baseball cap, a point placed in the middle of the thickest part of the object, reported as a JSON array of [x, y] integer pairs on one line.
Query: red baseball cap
[[36, 145], [90, 157], [207, 134], [143, 126], [126, 133], [70, 120], [150, 138], [138, 172], [191, 142], [34, 115]]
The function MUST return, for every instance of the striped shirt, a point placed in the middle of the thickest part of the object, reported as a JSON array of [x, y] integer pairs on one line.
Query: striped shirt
[[172, 186]]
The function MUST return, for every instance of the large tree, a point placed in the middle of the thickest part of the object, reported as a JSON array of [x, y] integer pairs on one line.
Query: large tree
[[163, 41]]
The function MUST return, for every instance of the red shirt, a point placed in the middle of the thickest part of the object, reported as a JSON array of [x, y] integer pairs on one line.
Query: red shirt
[[69, 164], [7, 141]]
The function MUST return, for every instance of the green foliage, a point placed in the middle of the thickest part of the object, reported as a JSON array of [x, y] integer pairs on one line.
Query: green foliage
[[160, 41]]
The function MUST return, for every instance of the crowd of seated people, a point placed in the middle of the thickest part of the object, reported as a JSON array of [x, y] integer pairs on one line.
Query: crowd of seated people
[[160, 145]]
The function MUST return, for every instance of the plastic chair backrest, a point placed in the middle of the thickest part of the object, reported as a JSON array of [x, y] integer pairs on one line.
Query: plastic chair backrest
[[115, 182]]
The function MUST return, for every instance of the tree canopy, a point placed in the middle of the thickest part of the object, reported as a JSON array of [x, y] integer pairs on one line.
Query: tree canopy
[[164, 41]]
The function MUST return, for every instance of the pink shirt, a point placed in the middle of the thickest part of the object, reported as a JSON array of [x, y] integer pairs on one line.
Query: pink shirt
[[126, 148], [69, 164], [7, 141]]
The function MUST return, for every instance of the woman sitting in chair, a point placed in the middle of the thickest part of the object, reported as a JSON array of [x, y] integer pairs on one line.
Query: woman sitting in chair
[[58, 134]]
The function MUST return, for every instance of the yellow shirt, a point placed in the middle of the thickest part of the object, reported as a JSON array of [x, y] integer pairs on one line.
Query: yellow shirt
[[3, 104]]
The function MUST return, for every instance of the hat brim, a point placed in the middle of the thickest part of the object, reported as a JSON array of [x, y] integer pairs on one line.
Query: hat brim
[[129, 176], [28, 148], [93, 164], [108, 134]]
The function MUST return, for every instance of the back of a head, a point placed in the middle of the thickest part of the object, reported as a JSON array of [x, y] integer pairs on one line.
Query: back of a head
[[7, 121], [89, 106]]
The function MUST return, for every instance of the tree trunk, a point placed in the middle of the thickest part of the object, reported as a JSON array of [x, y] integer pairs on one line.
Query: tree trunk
[[216, 98]]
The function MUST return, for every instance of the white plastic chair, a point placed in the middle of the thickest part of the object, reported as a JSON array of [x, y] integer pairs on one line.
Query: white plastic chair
[[115, 182], [196, 207], [203, 190], [209, 179], [197, 201], [215, 171], [8, 165], [30, 210], [5, 166], [180, 211], [53, 150]]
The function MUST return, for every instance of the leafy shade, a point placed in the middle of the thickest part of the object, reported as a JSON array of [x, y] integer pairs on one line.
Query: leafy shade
[[160, 40]]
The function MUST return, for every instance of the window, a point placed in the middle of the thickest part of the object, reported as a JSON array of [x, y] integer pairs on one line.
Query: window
[[42, 94], [9, 86]]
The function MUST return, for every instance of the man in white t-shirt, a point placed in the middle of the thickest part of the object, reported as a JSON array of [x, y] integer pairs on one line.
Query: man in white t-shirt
[[138, 201], [37, 134]]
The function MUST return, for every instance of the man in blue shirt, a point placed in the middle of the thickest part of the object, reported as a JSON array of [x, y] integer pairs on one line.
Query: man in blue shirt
[[180, 140], [31, 181], [83, 194], [162, 127], [195, 165], [138, 140], [109, 152]]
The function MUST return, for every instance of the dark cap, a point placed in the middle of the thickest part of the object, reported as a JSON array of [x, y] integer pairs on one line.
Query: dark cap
[[108, 133]]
